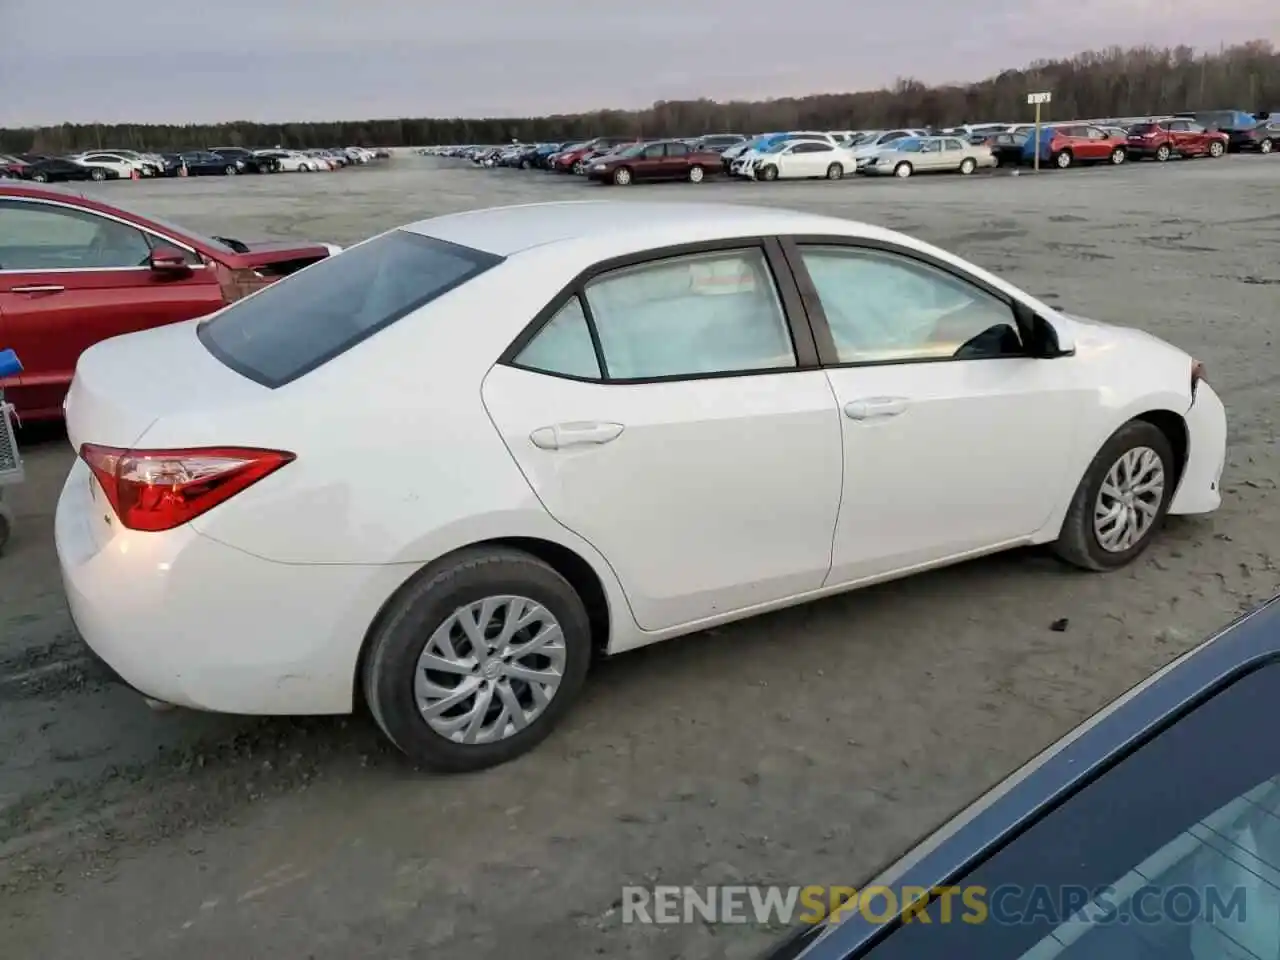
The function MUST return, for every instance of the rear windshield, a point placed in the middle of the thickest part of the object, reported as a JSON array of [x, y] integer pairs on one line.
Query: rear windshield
[[1144, 128], [301, 322]]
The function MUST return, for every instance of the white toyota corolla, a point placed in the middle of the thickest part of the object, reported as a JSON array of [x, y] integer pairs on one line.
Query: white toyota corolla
[[440, 471]]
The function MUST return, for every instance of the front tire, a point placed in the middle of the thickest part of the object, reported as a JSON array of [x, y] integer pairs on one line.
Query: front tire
[[1122, 500], [97, 174], [230, 170], [903, 170], [1265, 146], [622, 177], [1164, 152], [40, 177], [1063, 160], [769, 172], [478, 660]]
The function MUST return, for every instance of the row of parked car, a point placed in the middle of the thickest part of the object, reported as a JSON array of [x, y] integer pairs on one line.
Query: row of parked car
[[902, 152], [214, 161]]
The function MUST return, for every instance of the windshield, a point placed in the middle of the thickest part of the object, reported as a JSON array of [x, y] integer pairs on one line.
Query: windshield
[[633, 151], [297, 324]]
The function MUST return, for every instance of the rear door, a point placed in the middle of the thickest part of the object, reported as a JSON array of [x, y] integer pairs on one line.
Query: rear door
[[671, 413], [70, 278]]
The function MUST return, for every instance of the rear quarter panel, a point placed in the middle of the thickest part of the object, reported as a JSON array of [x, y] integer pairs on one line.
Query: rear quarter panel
[[397, 459]]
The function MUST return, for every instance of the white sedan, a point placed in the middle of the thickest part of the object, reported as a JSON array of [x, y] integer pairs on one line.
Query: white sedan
[[291, 161], [438, 472], [803, 159]]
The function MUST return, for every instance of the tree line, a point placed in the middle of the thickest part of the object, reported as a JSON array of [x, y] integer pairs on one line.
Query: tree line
[[1115, 82]]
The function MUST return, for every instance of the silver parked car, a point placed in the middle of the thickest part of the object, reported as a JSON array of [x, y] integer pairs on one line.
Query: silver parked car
[[912, 155]]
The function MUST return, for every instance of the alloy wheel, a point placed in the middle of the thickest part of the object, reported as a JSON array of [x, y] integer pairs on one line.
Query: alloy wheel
[[1129, 500], [490, 670]]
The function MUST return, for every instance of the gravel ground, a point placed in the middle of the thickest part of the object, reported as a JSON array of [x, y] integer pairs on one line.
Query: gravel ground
[[801, 747]]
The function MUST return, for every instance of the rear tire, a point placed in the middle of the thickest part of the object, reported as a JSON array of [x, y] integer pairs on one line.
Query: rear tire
[[40, 177], [1118, 156], [97, 174], [1216, 149], [393, 671], [230, 170], [835, 171], [1079, 542], [1265, 146], [696, 174], [967, 166]]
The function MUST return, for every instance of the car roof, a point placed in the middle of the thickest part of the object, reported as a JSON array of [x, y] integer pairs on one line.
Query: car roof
[[631, 226], [957, 846]]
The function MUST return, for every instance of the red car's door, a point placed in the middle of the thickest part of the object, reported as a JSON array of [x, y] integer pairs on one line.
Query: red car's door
[[650, 164], [70, 277]]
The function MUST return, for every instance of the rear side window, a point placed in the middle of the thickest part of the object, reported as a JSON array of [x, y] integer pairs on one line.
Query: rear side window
[[297, 324]]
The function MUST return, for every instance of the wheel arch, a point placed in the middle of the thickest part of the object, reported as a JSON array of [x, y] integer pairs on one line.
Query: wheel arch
[[1160, 415], [567, 562]]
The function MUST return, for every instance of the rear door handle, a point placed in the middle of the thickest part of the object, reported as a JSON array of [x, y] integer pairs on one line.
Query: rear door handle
[[561, 435], [38, 288], [874, 408]]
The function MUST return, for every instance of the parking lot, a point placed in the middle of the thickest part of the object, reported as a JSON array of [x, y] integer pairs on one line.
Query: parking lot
[[802, 747]]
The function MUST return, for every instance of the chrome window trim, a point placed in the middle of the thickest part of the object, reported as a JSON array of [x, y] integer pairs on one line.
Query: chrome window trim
[[41, 201]]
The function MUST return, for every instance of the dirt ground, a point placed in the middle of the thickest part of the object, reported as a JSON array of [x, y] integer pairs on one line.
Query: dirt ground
[[801, 747]]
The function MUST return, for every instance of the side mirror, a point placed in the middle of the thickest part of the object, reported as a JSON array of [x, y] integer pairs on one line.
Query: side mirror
[[167, 260]]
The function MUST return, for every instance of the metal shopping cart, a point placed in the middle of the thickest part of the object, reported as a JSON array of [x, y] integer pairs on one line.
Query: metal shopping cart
[[10, 461]]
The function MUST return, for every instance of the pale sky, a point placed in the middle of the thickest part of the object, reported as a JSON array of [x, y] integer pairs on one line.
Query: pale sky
[[275, 60]]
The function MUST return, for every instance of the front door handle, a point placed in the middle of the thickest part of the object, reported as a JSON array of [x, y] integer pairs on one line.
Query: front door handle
[[561, 435], [874, 408], [38, 288]]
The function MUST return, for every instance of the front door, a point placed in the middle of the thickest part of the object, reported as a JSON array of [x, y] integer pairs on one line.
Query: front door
[[701, 461], [954, 439], [70, 278]]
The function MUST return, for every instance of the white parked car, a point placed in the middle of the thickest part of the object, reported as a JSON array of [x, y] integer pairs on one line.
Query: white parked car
[[803, 159], [673, 415], [293, 161], [872, 144], [744, 163], [124, 167]]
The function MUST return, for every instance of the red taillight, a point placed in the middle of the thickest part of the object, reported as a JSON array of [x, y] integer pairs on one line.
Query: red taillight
[[157, 490], [1197, 374]]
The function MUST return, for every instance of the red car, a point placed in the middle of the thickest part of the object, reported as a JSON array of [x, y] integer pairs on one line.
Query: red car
[[661, 160], [1163, 139], [1077, 143], [74, 271], [571, 160]]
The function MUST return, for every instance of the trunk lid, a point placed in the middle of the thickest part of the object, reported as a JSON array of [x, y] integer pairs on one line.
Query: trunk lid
[[265, 252], [124, 386]]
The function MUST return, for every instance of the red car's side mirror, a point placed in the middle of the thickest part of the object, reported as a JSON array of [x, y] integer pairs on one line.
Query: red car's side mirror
[[168, 260]]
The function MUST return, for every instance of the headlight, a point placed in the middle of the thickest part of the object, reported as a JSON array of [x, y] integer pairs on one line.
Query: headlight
[[598, 166]]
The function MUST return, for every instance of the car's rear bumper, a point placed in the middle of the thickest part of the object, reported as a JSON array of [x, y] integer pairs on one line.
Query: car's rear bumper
[[187, 620], [1199, 489]]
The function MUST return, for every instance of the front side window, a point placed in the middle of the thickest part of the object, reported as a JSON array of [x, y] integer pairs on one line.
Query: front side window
[[655, 152], [677, 149], [690, 316], [296, 324], [1173, 854], [887, 308], [36, 236]]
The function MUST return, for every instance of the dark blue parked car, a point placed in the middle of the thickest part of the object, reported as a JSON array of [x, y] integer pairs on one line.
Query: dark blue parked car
[[1151, 832]]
